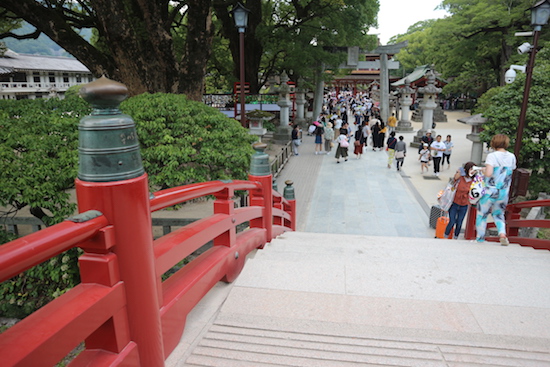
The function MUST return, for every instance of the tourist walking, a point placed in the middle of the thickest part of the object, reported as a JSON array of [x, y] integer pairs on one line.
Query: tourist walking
[[381, 136], [342, 142], [390, 146], [319, 132], [365, 133], [392, 123], [459, 207], [498, 169], [447, 153], [400, 152], [426, 138], [357, 145], [296, 141], [329, 137], [437, 149], [375, 132]]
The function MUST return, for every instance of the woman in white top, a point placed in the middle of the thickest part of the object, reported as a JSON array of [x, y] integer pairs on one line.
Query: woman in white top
[[343, 144], [437, 148], [498, 170]]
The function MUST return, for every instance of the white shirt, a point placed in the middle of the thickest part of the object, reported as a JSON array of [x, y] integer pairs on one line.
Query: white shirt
[[438, 145], [501, 159]]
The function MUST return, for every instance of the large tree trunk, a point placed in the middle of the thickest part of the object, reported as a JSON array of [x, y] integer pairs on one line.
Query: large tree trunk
[[253, 47], [137, 47], [139, 42], [198, 49]]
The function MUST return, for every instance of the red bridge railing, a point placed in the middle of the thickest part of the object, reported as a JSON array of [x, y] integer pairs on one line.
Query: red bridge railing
[[513, 225], [122, 310], [99, 310]]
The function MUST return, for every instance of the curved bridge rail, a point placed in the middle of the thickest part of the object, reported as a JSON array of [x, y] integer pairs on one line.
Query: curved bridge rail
[[101, 310], [513, 224]]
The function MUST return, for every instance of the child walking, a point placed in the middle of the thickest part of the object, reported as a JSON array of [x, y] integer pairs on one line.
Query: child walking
[[424, 157]]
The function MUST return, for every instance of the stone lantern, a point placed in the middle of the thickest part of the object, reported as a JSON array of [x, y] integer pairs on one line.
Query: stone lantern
[[256, 120], [405, 100], [300, 102], [428, 105], [283, 132], [476, 121]]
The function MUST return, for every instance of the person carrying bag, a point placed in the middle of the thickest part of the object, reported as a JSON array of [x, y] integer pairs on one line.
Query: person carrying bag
[[459, 205]]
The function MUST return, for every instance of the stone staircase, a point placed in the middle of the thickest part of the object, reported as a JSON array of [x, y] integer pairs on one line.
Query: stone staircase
[[341, 300]]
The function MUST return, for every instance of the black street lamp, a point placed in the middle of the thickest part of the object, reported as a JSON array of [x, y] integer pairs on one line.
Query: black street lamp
[[240, 16], [539, 17]]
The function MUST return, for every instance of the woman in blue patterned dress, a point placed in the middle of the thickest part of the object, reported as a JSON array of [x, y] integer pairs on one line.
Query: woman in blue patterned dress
[[498, 169]]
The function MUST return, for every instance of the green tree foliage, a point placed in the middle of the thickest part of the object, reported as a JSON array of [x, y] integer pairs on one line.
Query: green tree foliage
[[420, 49], [502, 108], [473, 46], [38, 155], [184, 142], [36, 287], [181, 142]]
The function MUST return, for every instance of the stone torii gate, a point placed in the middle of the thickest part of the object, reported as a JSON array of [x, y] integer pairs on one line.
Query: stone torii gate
[[385, 66]]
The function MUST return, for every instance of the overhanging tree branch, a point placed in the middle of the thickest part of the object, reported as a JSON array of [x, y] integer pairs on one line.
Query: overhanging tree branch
[[33, 35]]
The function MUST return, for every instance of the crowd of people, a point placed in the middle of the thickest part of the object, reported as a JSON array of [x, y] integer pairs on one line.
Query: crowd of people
[[356, 120]]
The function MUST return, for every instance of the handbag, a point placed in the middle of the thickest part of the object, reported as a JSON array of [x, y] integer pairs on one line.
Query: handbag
[[477, 189], [357, 143], [447, 195], [344, 143], [399, 154]]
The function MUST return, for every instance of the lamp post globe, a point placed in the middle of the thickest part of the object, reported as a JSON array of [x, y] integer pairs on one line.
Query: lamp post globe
[[540, 12], [240, 16]]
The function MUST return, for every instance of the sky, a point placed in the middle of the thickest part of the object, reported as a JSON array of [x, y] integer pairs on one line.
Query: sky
[[396, 16]]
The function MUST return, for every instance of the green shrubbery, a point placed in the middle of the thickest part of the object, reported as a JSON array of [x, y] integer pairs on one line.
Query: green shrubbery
[[181, 142], [184, 142]]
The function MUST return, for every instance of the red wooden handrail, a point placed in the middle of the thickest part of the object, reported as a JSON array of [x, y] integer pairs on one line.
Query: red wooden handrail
[[527, 204], [514, 223], [26, 252], [166, 198], [99, 310]]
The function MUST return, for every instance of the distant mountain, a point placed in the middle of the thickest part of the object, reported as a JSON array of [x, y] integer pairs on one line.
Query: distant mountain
[[43, 45]]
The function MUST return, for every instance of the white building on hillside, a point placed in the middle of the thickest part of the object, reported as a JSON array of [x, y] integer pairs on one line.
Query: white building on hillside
[[38, 76]]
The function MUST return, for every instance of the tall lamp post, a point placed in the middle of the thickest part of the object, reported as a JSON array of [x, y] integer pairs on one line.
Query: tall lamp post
[[539, 17], [240, 16]]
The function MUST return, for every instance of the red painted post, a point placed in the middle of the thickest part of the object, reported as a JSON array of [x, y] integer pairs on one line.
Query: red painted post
[[111, 179], [260, 171], [470, 230], [225, 205]]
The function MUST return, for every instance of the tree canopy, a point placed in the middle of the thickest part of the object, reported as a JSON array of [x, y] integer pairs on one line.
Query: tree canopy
[[164, 46], [501, 106], [473, 46]]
